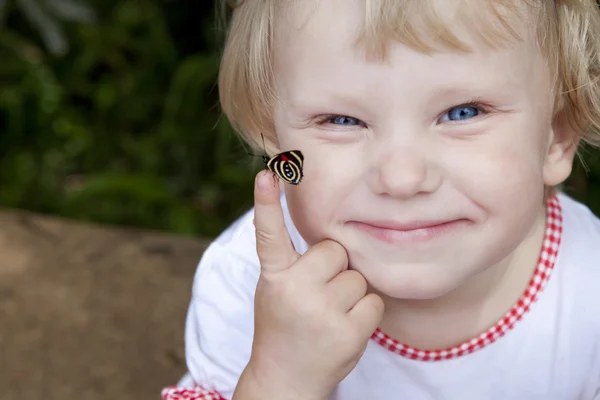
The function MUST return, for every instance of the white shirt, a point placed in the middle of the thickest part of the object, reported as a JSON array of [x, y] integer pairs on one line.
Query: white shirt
[[551, 353]]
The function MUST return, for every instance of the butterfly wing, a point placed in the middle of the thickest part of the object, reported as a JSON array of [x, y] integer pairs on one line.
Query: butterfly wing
[[287, 166]]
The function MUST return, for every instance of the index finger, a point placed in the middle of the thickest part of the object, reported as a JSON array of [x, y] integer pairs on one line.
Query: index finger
[[275, 248]]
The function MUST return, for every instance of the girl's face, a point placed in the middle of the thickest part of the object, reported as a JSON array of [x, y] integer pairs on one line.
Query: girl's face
[[428, 169]]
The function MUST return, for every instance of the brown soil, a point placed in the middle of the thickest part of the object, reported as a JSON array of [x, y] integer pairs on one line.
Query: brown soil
[[90, 312]]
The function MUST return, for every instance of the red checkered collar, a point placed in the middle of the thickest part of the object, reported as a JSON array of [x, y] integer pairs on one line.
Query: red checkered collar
[[537, 283]]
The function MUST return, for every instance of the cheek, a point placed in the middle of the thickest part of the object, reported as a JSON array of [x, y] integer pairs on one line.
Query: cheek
[[502, 169], [309, 210], [314, 204], [504, 179]]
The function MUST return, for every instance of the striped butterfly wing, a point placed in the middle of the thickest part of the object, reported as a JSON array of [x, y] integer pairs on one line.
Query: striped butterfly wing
[[287, 166]]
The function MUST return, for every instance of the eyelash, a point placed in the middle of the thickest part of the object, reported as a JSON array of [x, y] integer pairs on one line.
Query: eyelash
[[481, 108], [476, 103], [329, 117]]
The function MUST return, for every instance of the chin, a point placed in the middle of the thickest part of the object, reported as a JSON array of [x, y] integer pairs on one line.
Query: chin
[[409, 282]]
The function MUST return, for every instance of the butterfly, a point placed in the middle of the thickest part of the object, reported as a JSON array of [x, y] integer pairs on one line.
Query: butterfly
[[287, 165]]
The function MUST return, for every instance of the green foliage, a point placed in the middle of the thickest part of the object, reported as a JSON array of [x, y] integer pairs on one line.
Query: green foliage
[[584, 183], [125, 128], [46, 17]]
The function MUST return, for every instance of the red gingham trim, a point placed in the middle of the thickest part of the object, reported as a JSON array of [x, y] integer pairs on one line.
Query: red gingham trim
[[196, 393], [537, 283]]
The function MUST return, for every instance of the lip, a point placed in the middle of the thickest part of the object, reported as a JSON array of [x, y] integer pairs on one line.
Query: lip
[[411, 232]]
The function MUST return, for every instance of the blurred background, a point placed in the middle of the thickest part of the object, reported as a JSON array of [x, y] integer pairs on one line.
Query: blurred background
[[116, 170], [109, 113]]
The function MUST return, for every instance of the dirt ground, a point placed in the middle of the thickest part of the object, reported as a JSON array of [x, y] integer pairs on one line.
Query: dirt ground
[[89, 312]]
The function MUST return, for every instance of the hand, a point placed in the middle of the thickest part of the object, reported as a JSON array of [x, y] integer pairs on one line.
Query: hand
[[313, 318]]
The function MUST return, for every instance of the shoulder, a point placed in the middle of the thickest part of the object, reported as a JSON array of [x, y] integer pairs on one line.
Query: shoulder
[[578, 262], [580, 242], [232, 255], [219, 323]]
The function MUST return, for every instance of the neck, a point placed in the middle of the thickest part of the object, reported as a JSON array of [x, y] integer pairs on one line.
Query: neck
[[471, 308]]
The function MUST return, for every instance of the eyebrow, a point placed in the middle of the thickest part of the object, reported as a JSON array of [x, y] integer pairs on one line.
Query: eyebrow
[[350, 102], [502, 89], [354, 100]]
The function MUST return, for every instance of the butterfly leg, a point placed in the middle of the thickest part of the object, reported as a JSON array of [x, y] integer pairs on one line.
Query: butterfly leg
[[275, 179]]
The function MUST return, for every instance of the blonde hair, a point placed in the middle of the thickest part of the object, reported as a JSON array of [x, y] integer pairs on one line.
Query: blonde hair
[[568, 33]]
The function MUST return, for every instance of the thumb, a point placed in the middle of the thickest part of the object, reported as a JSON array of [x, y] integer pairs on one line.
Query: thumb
[[273, 244]]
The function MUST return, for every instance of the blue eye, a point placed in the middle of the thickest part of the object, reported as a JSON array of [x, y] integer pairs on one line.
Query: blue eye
[[461, 113], [343, 120]]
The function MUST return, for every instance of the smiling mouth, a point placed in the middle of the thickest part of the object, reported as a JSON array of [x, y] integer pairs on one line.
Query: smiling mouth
[[408, 233]]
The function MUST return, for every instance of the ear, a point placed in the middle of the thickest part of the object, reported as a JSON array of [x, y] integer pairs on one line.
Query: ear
[[562, 147]]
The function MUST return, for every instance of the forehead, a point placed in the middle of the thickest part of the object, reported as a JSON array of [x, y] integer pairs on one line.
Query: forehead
[[333, 38], [425, 25]]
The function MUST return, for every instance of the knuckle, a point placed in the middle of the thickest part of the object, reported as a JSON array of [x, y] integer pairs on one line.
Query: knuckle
[[377, 304], [329, 245], [359, 281], [355, 280], [283, 288], [355, 275], [284, 295], [335, 250], [265, 237], [293, 292]]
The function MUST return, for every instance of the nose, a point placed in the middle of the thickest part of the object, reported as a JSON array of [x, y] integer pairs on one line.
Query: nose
[[403, 173]]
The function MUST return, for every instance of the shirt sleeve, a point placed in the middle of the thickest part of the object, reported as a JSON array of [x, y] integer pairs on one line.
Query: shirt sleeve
[[197, 393], [220, 322]]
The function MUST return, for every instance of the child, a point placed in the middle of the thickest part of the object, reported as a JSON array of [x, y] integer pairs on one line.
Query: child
[[427, 252]]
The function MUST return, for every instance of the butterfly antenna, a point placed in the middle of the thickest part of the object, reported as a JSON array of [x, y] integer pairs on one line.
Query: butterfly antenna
[[250, 154], [264, 157], [246, 151]]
